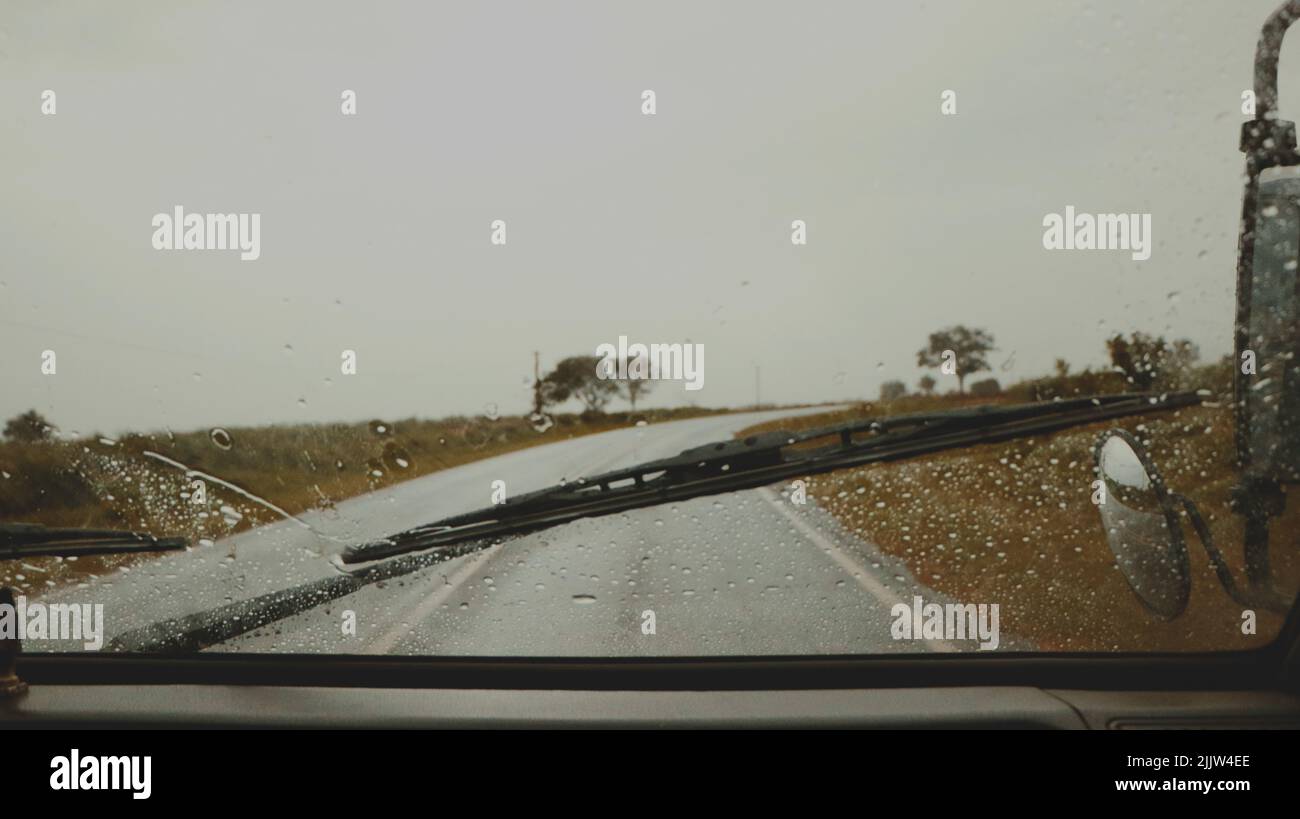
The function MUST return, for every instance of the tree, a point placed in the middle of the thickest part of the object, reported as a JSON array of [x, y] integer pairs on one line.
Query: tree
[[29, 427], [891, 390], [635, 388], [1147, 359], [986, 388], [926, 384], [1182, 356], [1062, 368], [575, 377], [970, 348]]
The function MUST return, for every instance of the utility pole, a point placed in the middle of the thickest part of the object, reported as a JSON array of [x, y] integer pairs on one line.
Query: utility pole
[[757, 399], [537, 384]]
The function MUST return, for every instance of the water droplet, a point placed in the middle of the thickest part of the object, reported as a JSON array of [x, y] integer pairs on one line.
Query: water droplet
[[540, 421], [395, 457]]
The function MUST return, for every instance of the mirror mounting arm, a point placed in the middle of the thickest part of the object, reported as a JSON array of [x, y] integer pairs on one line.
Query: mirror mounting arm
[[1266, 140], [1266, 56], [1257, 498], [1261, 594]]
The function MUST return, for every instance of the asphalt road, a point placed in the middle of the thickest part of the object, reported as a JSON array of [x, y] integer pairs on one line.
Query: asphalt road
[[742, 573]]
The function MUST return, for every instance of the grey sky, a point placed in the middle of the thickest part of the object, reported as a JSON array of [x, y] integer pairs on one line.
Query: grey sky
[[375, 227]]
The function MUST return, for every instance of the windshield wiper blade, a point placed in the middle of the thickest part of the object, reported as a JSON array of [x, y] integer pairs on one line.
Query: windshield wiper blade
[[34, 540], [760, 460]]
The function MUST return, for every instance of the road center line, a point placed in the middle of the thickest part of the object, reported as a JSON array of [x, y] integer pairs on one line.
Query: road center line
[[388, 639]]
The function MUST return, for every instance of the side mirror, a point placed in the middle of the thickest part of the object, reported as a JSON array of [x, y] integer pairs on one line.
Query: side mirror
[[1267, 366], [1143, 529], [1267, 335], [1142, 526], [1269, 397]]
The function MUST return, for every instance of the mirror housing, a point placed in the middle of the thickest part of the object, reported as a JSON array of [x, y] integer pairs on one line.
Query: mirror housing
[[1267, 397], [1141, 523]]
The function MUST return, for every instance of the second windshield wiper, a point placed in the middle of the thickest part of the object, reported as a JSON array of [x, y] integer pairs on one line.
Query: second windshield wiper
[[759, 460], [34, 540]]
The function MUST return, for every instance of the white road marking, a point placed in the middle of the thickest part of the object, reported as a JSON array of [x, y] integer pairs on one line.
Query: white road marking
[[866, 579], [386, 641]]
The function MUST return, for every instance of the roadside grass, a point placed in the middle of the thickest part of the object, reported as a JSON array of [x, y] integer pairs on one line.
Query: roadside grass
[[1014, 524], [125, 483]]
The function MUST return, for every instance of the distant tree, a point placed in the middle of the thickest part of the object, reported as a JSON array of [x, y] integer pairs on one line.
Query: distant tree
[[634, 388], [575, 377], [986, 388], [1182, 356], [1133, 357], [926, 384], [891, 390], [1147, 359], [28, 427], [969, 346], [1062, 368]]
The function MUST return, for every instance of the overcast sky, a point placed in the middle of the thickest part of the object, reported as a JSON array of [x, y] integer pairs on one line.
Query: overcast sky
[[665, 228]]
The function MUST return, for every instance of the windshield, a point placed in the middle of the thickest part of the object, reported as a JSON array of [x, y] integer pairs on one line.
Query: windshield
[[289, 281]]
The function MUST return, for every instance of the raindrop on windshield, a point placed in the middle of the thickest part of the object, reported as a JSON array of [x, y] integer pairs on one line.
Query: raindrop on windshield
[[540, 421], [395, 457], [221, 438]]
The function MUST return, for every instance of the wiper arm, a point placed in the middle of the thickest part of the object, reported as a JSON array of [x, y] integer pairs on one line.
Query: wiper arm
[[19, 540], [759, 460]]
